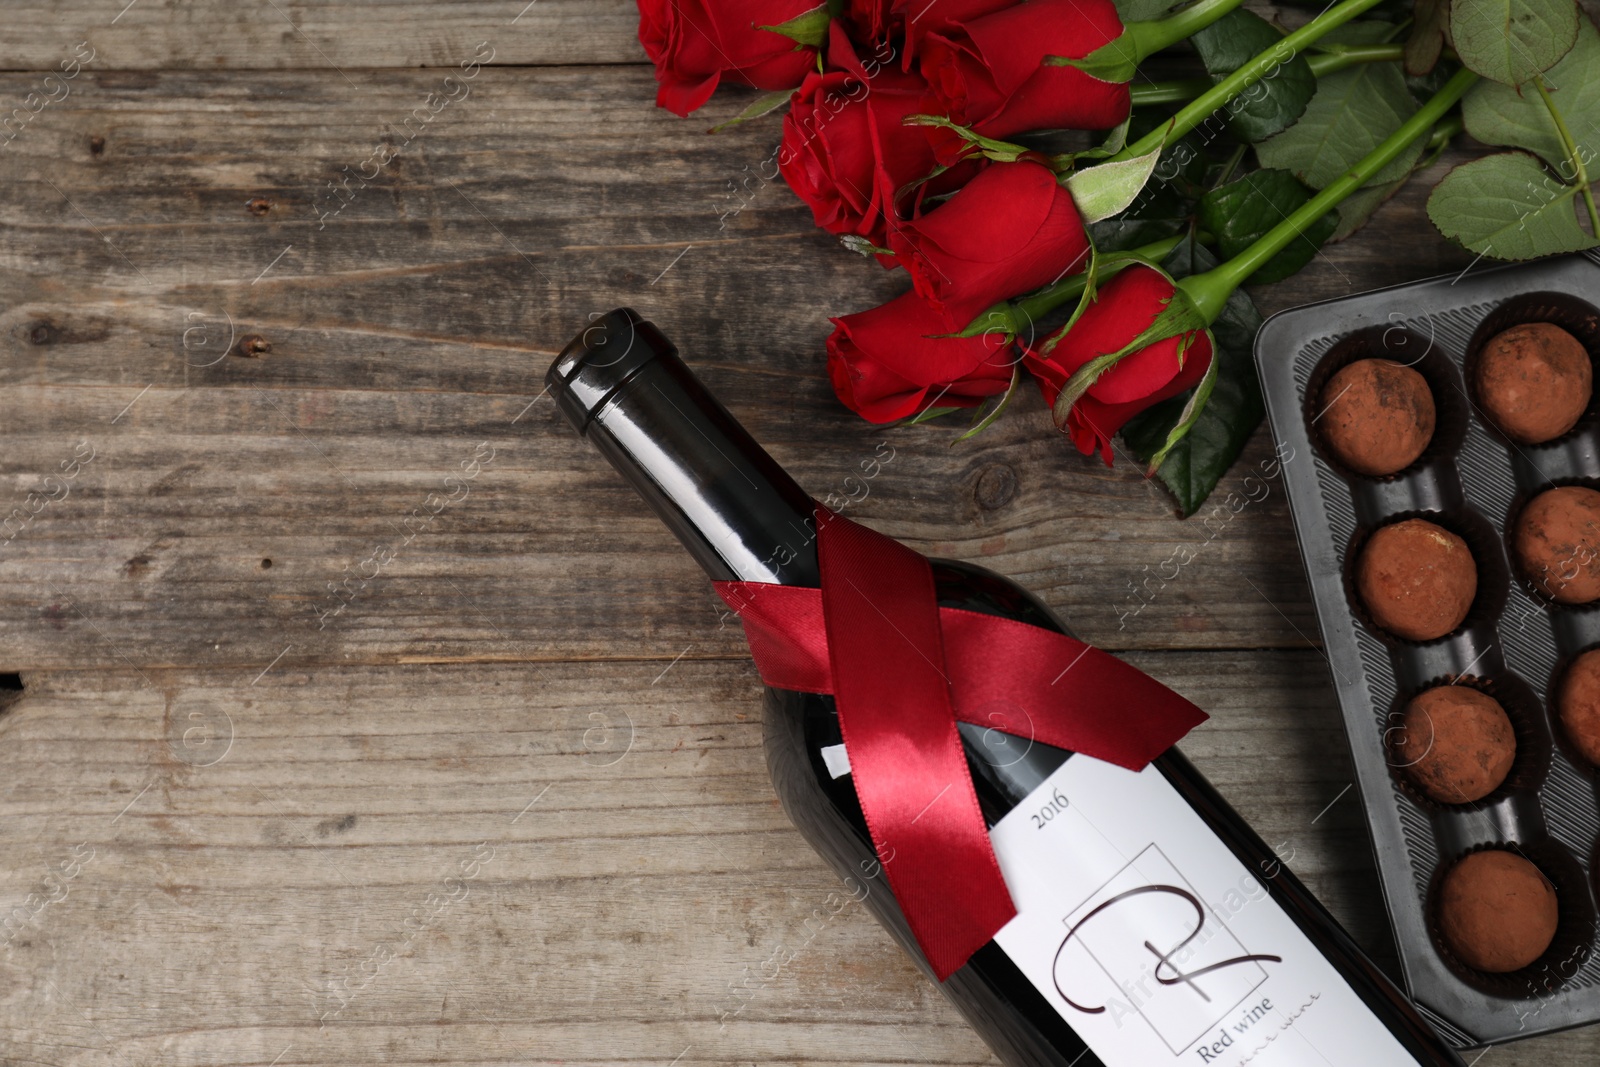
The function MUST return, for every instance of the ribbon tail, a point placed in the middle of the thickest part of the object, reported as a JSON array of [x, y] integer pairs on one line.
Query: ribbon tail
[[1045, 686], [909, 768]]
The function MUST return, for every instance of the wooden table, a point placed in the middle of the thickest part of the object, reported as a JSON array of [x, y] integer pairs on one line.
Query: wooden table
[[309, 769]]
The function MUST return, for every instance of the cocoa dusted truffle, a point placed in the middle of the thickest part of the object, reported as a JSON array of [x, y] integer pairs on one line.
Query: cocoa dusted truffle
[[1557, 542], [1456, 744], [1533, 381], [1579, 705], [1416, 579], [1497, 912], [1377, 416]]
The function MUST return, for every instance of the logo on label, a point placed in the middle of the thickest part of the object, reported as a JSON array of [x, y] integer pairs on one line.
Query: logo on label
[[1145, 946]]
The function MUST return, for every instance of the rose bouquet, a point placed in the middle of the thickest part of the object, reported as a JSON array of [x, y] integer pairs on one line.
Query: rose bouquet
[[1062, 216]]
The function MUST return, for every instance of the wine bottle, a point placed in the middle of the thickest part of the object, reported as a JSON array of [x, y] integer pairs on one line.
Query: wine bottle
[[1153, 925]]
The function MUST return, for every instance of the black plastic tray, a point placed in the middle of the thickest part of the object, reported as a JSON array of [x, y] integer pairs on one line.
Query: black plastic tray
[[1514, 643]]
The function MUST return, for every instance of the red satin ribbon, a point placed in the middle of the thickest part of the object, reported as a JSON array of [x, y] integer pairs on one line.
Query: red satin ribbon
[[902, 671]]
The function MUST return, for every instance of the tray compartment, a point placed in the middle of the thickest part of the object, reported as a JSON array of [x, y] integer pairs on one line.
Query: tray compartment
[[1515, 643]]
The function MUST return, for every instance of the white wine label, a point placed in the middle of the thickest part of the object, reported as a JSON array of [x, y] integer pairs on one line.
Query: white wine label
[[1156, 944]]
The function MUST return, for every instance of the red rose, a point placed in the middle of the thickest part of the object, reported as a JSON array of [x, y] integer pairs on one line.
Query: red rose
[[846, 151], [1011, 229], [886, 362], [695, 43], [1125, 308], [987, 73]]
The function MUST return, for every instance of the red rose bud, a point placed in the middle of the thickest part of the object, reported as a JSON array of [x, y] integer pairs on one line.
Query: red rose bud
[[890, 362], [696, 43], [1011, 229], [987, 73], [846, 150], [1125, 307]]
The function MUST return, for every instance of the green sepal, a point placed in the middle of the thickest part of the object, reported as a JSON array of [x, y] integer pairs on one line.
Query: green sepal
[[1001, 318], [861, 246], [1191, 412], [927, 414], [1116, 140], [807, 29], [910, 187], [1005, 398], [764, 104], [1114, 62]]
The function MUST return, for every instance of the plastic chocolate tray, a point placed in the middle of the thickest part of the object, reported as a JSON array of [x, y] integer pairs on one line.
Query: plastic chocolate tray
[[1515, 643]]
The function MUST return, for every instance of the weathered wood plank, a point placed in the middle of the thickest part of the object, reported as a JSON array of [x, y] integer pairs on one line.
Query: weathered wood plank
[[242, 849], [418, 321], [336, 39], [326, 36]]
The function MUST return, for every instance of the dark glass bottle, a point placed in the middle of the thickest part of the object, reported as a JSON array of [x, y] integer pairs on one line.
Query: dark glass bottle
[[741, 517]]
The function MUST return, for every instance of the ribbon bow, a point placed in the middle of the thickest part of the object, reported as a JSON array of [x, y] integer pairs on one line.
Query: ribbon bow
[[902, 671]]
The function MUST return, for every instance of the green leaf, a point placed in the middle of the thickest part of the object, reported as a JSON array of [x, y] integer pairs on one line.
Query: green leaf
[[1365, 31], [807, 29], [1271, 104], [1104, 190], [1360, 205], [1115, 61], [1351, 114], [1498, 114], [1510, 41], [1509, 207], [1198, 461], [1429, 22], [988, 420], [764, 104], [1242, 211]]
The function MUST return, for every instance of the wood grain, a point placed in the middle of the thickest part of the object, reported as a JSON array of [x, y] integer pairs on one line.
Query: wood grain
[[262, 802], [417, 323], [324, 36], [258, 861]]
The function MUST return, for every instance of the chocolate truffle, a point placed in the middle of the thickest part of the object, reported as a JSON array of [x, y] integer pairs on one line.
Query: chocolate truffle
[[1579, 705], [1533, 381], [1416, 579], [1455, 743], [1557, 543], [1497, 912], [1377, 416]]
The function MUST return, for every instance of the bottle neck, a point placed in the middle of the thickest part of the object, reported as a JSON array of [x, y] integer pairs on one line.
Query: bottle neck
[[740, 516]]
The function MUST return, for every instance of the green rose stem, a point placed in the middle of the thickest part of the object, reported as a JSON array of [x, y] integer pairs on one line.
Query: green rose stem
[[1036, 306], [1015, 316], [1210, 291], [1337, 58], [1204, 105], [1118, 59], [1148, 38]]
